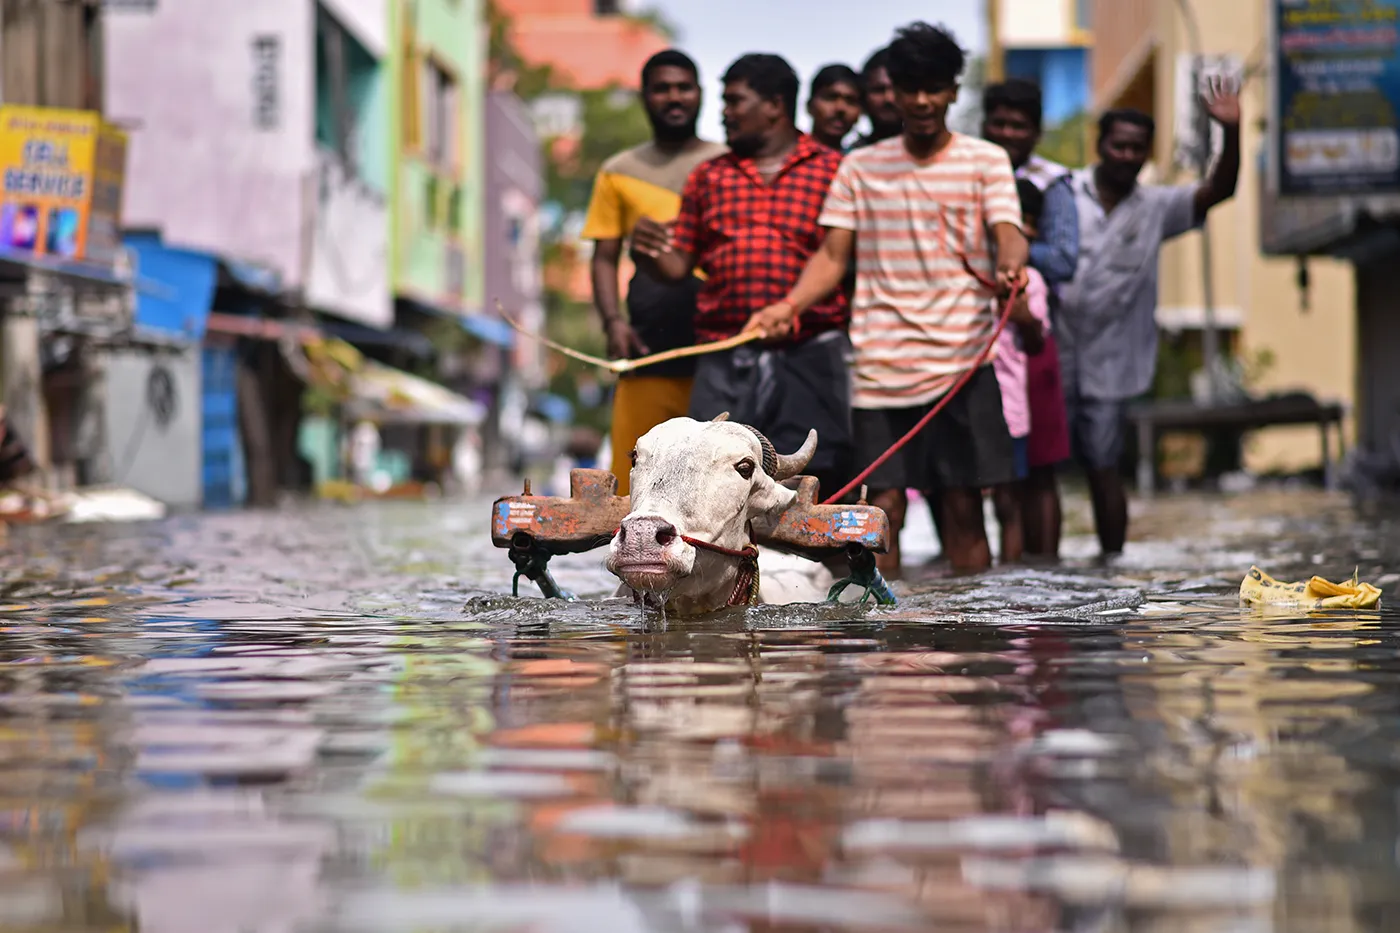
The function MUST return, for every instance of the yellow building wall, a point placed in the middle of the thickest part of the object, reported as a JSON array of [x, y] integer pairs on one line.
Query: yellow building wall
[[1312, 349]]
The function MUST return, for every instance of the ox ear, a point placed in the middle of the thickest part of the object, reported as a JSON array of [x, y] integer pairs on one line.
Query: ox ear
[[789, 465], [722, 416]]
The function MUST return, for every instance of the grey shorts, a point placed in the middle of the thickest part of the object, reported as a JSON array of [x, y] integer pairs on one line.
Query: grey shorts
[[1096, 430]]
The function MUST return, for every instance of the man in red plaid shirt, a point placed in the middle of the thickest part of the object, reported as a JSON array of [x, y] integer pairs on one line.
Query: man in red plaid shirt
[[748, 221]]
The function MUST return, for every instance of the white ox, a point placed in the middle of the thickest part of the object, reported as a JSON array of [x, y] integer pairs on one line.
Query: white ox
[[714, 483]]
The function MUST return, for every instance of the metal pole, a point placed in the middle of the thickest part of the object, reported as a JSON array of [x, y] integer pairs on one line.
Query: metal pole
[[1210, 338]]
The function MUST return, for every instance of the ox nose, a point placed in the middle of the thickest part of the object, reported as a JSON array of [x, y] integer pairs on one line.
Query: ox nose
[[641, 531]]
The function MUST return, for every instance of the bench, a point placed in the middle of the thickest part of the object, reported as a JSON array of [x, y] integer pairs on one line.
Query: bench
[[1152, 417]]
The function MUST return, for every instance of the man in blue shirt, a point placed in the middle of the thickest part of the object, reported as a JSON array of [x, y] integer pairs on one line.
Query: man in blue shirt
[[1011, 118]]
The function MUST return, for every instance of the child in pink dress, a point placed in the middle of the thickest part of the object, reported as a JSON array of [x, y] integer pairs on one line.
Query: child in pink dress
[[1023, 337]]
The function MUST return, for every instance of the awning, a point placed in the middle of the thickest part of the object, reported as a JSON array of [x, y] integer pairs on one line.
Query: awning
[[120, 338], [386, 395], [482, 326], [366, 389], [241, 325], [83, 272], [250, 276], [360, 335]]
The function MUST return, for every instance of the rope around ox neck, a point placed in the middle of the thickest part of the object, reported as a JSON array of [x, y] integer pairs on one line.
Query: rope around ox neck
[[746, 587]]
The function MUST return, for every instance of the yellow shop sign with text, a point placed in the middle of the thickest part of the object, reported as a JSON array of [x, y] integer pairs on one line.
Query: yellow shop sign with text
[[62, 173]]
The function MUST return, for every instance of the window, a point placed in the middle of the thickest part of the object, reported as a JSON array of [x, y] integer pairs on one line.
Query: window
[[441, 121], [606, 7], [345, 77]]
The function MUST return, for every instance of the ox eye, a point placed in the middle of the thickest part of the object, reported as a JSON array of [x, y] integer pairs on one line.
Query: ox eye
[[744, 468], [633, 456]]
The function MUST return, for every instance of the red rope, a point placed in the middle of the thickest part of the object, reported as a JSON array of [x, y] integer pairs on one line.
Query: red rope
[[736, 553], [933, 412], [746, 584]]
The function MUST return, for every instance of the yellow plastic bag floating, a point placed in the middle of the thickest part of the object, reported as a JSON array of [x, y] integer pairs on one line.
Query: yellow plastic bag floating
[[1260, 589]]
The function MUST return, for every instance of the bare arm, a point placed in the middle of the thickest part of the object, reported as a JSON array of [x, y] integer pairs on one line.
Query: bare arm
[[623, 341], [1222, 103], [606, 254], [1220, 186], [1013, 252]]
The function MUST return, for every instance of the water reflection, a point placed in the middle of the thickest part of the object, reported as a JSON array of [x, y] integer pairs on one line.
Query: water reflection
[[284, 722]]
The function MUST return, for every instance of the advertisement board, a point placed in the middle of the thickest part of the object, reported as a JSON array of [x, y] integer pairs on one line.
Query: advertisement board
[[61, 179], [1336, 97]]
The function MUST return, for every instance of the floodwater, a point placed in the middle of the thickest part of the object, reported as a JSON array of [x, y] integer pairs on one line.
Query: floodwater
[[334, 718]]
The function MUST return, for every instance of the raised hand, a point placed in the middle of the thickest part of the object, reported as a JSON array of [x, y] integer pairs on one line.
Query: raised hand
[[1222, 100]]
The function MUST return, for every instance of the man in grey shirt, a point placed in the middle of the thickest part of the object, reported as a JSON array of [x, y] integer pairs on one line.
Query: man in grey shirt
[[1107, 327]]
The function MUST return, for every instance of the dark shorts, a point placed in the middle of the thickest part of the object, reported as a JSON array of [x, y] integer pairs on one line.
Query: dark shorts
[[1097, 428], [966, 446], [1049, 437], [785, 392]]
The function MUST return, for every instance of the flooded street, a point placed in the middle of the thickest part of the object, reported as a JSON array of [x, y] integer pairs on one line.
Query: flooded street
[[333, 718]]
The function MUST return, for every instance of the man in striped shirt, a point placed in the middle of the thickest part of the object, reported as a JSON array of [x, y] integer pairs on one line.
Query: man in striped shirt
[[923, 209]]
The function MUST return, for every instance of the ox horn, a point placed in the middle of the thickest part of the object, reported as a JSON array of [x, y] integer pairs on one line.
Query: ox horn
[[770, 453], [722, 416], [789, 465]]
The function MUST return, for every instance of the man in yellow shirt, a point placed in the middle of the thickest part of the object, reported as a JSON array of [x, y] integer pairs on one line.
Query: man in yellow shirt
[[646, 181]]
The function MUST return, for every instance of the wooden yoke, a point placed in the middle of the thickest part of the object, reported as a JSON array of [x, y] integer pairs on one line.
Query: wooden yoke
[[584, 521], [589, 517], [823, 531]]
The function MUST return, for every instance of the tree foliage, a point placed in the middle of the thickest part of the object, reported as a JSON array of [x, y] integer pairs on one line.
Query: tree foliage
[[504, 64], [612, 120], [1068, 142], [656, 21]]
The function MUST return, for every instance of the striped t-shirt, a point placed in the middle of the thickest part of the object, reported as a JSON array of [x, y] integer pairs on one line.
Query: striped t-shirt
[[919, 319]]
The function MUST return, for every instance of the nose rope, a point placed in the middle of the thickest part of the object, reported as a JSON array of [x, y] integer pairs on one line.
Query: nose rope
[[746, 587]]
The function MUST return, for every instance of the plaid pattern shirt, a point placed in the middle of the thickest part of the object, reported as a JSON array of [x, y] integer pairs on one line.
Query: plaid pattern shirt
[[752, 238]]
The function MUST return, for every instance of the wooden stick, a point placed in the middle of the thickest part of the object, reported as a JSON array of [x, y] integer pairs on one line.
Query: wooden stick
[[624, 366]]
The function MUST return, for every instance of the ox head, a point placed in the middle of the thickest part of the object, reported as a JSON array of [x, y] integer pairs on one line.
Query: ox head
[[707, 480]]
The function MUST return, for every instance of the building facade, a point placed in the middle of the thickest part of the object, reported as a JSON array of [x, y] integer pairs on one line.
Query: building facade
[[1048, 42], [1288, 340], [1339, 200], [436, 128], [67, 293], [259, 158], [515, 188], [321, 167]]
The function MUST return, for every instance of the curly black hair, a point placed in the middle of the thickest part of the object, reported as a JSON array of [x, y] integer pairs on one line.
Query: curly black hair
[[924, 57]]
